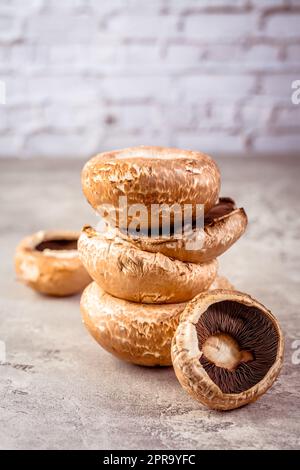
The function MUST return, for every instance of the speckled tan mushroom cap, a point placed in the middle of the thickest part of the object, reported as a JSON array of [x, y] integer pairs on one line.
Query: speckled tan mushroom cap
[[151, 175], [127, 272], [48, 262], [224, 224], [227, 350], [137, 333]]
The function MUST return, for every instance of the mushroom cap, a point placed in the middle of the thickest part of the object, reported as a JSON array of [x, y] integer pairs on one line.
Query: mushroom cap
[[56, 272], [151, 175], [219, 233], [186, 353], [125, 271], [221, 282], [137, 333]]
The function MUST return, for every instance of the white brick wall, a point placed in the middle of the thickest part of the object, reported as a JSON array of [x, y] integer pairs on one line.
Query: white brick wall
[[82, 76]]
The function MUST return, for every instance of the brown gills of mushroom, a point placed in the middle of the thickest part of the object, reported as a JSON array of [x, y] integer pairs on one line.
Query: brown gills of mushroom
[[238, 345], [224, 206], [63, 244]]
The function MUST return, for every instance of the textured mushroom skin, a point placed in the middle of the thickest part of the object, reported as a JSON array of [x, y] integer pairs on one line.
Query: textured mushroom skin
[[53, 273], [186, 354], [133, 332], [127, 272], [151, 175], [215, 238], [221, 282], [137, 333]]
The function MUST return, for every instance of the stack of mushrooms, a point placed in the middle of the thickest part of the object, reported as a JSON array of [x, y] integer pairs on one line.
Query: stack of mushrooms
[[150, 284]]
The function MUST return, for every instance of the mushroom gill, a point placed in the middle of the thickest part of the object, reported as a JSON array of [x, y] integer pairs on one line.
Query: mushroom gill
[[224, 206], [238, 343], [59, 244]]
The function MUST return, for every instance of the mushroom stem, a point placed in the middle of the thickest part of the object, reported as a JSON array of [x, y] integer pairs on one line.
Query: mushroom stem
[[223, 350]]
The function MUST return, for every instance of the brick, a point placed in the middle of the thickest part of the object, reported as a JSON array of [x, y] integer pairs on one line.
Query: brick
[[62, 89], [85, 56], [135, 54], [218, 6], [11, 145], [70, 6], [2, 92], [103, 54], [283, 25], [288, 117], [51, 28], [121, 140], [221, 53], [206, 115], [136, 7], [4, 60], [219, 116], [10, 28], [238, 57], [3, 119], [125, 89], [15, 89], [215, 143], [133, 117], [51, 143], [200, 87], [268, 4], [278, 86], [3, 53], [255, 113], [182, 116], [140, 26], [262, 55], [25, 118], [154, 6], [277, 144], [28, 56], [21, 7], [181, 54], [70, 117], [117, 139], [293, 53], [67, 54], [115, 73], [106, 7], [222, 27], [22, 55]]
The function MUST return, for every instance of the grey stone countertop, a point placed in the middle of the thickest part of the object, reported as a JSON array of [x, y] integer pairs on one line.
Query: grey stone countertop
[[60, 390]]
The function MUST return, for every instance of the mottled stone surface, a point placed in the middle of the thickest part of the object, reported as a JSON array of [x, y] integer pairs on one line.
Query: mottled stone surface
[[59, 389]]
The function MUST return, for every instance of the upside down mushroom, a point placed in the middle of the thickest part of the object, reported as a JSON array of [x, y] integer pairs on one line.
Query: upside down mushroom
[[48, 262], [224, 224], [149, 175], [227, 350], [137, 333], [129, 273]]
